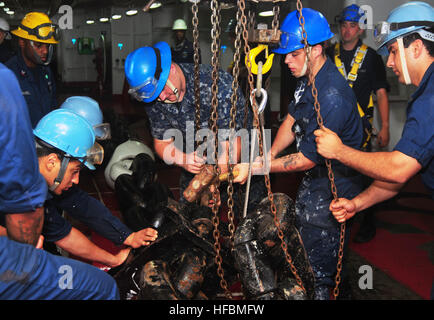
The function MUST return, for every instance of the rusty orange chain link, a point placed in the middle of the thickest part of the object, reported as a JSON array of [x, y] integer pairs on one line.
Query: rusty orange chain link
[[327, 161], [215, 35], [234, 101], [195, 22], [280, 234]]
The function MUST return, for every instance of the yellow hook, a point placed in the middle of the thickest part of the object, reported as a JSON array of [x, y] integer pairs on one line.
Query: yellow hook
[[254, 53]]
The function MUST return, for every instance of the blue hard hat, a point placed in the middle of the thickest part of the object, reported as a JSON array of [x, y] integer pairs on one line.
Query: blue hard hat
[[147, 70], [316, 27], [351, 13], [69, 133], [89, 109], [418, 13], [86, 107]]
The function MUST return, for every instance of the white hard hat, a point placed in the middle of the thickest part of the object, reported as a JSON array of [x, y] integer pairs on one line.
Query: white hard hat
[[122, 159], [4, 26], [179, 24]]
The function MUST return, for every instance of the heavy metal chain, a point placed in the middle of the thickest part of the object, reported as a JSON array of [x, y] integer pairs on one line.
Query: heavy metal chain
[[234, 101], [275, 22], [195, 22], [215, 35], [328, 162], [252, 21], [261, 151]]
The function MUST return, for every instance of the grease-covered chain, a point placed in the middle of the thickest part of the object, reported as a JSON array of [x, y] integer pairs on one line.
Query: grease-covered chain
[[195, 22], [327, 161], [233, 112], [215, 35], [280, 234]]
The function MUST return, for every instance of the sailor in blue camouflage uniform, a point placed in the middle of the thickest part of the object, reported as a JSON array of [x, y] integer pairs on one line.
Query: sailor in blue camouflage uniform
[[175, 108], [318, 229]]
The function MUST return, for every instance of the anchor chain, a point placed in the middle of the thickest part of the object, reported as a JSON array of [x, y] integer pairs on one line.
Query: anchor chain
[[234, 101], [195, 22], [261, 151], [327, 161], [215, 35]]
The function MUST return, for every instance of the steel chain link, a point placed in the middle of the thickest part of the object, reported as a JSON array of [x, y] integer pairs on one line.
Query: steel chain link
[[327, 161], [261, 151], [215, 35], [195, 22], [234, 101]]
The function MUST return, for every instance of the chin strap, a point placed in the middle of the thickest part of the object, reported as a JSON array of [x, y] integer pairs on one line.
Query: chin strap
[[61, 174], [175, 92], [304, 70], [403, 61]]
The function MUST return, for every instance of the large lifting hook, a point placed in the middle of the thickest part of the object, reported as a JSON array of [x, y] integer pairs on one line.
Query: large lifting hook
[[252, 57]]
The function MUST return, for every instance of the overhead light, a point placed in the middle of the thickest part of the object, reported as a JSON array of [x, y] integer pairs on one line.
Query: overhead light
[[6, 9], [104, 19], [156, 5], [116, 16], [10, 12], [266, 13], [90, 21], [131, 12], [152, 4], [226, 6], [2, 4]]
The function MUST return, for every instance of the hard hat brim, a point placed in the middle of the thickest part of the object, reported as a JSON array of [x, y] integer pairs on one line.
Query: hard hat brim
[[286, 50]]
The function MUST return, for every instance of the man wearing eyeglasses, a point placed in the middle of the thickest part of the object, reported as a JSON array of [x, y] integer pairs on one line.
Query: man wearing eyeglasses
[[36, 37], [408, 37]]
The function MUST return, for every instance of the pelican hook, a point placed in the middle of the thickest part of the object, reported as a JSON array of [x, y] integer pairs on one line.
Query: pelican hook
[[252, 56], [264, 100]]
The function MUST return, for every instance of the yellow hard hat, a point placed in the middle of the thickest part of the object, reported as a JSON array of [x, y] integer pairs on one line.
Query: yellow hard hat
[[37, 26]]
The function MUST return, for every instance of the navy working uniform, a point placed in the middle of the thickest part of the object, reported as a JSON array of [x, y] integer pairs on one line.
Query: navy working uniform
[[27, 272], [319, 230], [163, 116], [85, 208], [37, 86], [184, 52], [417, 139]]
